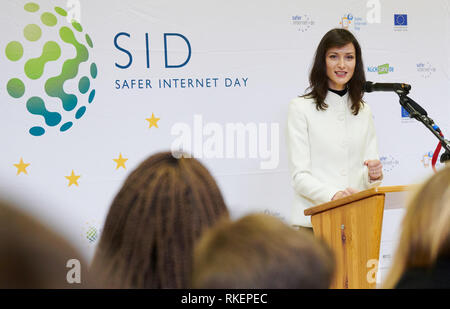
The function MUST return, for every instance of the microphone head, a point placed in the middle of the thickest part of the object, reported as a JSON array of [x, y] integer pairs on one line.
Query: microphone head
[[396, 87], [406, 87]]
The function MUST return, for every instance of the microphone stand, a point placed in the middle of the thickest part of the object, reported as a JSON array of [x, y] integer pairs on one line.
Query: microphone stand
[[412, 108]]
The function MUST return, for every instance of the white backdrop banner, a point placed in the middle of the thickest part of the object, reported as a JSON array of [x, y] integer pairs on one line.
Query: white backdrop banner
[[91, 88]]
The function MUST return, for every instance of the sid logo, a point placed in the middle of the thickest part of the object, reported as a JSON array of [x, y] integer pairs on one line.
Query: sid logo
[[65, 36]]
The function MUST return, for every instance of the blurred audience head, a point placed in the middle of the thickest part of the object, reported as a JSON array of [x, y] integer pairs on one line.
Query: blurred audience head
[[425, 231], [34, 257], [260, 251], [154, 221]]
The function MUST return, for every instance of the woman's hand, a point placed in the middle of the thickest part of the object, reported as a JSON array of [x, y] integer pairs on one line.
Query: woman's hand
[[346, 192], [375, 169]]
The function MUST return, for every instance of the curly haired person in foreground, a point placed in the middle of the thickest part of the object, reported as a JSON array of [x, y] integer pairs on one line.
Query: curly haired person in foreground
[[154, 222]]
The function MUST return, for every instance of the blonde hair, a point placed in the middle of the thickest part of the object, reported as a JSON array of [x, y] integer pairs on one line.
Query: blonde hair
[[259, 252], [425, 232]]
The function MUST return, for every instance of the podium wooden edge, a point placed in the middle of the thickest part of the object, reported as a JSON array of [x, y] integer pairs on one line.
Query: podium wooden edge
[[354, 197]]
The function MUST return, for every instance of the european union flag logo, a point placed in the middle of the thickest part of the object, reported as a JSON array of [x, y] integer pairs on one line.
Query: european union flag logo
[[400, 19]]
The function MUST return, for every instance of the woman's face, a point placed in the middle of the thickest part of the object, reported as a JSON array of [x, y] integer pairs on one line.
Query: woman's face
[[341, 62]]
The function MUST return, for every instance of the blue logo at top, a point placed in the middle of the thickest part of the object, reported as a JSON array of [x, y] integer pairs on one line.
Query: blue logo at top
[[400, 20]]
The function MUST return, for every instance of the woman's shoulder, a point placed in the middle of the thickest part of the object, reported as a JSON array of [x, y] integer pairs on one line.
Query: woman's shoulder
[[365, 109], [302, 102]]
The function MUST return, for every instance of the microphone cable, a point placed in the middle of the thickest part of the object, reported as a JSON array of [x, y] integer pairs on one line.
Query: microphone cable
[[438, 148]]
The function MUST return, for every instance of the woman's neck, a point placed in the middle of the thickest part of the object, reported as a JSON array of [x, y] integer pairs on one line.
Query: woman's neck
[[339, 92]]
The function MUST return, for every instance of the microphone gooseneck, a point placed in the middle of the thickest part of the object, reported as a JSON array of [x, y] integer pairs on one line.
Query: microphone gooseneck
[[415, 111], [395, 87]]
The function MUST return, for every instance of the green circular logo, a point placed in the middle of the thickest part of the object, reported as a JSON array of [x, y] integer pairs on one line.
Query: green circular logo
[[74, 102]]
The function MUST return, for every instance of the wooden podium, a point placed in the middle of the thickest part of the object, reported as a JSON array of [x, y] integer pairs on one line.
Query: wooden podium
[[352, 226]]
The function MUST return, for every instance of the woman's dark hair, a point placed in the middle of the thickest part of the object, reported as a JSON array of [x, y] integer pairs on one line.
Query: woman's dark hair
[[154, 222], [318, 79]]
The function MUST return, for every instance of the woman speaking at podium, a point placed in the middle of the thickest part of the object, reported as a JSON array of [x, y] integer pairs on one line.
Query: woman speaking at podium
[[332, 145]]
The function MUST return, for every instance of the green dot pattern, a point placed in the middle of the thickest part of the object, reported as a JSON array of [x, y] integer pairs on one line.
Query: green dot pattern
[[89, 41], [48, 19], [66, 126], [36, 106], [16, 88], [34, 68], [91, 96], [32, 32], [60, 11], [31, 7], [54, 85], [77, 26], [94, 70], [84, 85], [14, 51]]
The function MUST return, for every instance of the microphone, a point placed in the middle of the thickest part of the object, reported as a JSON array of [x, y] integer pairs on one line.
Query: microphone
[[396, 87], [415, 106], [406, 102]]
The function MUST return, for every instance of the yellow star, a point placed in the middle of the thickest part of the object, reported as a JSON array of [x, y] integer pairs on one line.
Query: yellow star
[[153, 121], [120, 162], [21, 167], [72, 179]]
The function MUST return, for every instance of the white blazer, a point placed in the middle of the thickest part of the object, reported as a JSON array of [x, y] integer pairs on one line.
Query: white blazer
[[327, 150]]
